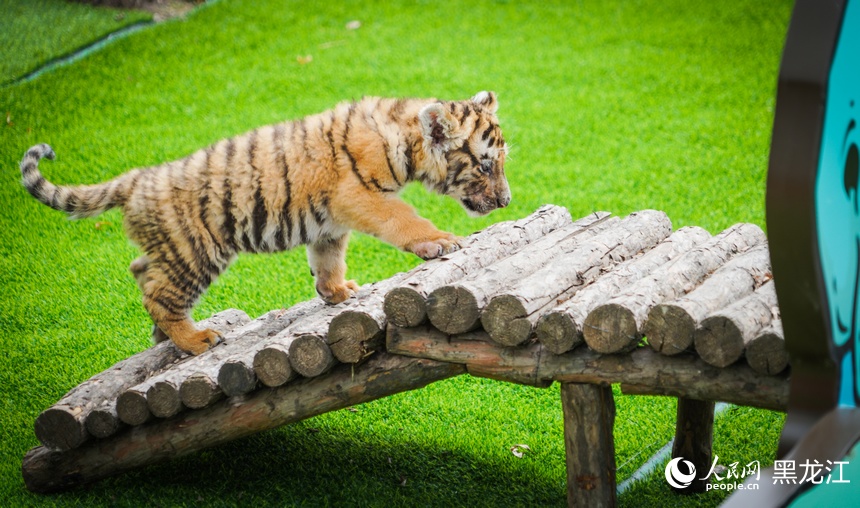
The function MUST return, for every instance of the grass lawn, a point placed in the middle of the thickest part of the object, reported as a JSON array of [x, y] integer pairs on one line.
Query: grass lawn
[[616, 106]]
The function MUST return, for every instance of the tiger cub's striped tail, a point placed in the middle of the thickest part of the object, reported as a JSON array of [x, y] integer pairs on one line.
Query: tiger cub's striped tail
[[77, 201]]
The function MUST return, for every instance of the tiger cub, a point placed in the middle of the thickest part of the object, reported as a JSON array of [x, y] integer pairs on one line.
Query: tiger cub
[[308, 181]]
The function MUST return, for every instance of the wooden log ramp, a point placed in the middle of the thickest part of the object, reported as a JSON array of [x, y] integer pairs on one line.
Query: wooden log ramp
[[513, 304], [308, 339]]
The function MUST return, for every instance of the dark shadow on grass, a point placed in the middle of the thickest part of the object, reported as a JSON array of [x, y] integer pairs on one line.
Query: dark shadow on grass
[[299, 465]]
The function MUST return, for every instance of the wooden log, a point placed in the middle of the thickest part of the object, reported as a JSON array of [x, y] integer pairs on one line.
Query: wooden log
[[310, 355], [560, 329], [235, 378], [356, 333], [589, 416], [722, 337], [457, 308], [163, 399], [131, 407], [643, 369], [406, 305], [159, 395], [49, 471], [766, 353], [481, 357], [199, 390], [616, 325], [694, 437], [63, 425], [272, 365], [103, 421], [671, 326], [509, 316]]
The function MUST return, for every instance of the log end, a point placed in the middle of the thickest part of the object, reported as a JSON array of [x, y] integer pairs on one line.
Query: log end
[[102, 423], [719, 341], [557, 332], [235, 378], [766, 354], [163, 400], [349, 333], [669, 329], [39, 470], [199, 391], [61, 427], [131, 407], [453, 310], [506, 320], [405, 307], [272, 367], [611, 328], [310, 356]]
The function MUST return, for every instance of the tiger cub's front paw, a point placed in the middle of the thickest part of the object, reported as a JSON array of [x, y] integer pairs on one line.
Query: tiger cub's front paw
[[434, 248], [198, 342], [335, 293]]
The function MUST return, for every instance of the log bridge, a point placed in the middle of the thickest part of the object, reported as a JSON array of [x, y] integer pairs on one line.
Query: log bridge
[[588, 303]]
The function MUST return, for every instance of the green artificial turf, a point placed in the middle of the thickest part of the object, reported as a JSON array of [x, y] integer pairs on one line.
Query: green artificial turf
[[39, 31], [616, 106]]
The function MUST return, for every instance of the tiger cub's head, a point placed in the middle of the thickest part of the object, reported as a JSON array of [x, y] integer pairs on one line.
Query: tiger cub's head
[[464, 143]]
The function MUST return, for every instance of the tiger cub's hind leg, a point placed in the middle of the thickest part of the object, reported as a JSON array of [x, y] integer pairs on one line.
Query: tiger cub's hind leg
[[327, 258], [138, 268], [168, 297]]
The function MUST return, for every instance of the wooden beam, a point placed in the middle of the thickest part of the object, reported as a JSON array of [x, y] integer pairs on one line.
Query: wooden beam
[[643, 371], [589, 415]]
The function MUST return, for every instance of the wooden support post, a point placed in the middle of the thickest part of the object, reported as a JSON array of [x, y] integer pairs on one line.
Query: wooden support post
[[589, 414], [694, 436]]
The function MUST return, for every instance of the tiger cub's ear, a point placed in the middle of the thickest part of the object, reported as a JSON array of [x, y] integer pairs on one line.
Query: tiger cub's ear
[[437, 124], [487, 101]]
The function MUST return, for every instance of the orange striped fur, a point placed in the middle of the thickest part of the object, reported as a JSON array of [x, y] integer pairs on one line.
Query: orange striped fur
[[308, 181]]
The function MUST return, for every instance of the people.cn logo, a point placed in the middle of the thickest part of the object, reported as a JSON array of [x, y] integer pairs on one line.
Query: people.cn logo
[[676, 477]]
